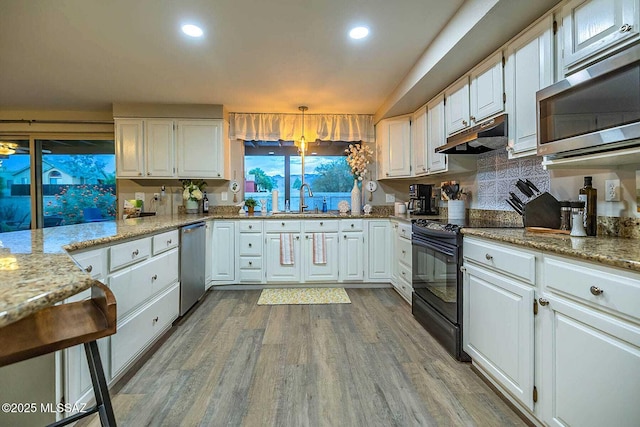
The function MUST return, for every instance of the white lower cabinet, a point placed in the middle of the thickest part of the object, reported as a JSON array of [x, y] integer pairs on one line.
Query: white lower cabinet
[[319, 234], [498, 329], [402, 262], [142, 327], [279, 269], [378, 245], [223, 249]]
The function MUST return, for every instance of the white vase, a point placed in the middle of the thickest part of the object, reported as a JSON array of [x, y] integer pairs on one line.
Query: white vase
[[355, 198], [191, 206], [456, 211]]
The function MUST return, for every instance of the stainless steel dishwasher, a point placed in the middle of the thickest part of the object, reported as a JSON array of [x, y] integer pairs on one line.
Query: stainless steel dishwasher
[[192, 265]]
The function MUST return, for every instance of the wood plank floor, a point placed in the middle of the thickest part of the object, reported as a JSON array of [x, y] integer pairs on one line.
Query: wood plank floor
[[369, 363]]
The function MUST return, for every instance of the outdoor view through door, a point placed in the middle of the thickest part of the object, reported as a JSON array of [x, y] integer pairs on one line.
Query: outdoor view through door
[[276, 165], [74, 183]]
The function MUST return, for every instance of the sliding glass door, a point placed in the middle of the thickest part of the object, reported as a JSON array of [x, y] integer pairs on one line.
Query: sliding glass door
[[15, 184]]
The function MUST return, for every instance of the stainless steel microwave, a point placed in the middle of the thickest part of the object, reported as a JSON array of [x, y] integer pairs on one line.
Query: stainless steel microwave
[[593, 110]]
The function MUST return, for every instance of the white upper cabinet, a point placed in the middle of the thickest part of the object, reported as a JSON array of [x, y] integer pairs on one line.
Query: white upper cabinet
[[160, 148], [129, 147], [592, 29], [487, 90], [457, 106], [529, 68], [393, 141], [436, 135], [419, 142], [202, 148]]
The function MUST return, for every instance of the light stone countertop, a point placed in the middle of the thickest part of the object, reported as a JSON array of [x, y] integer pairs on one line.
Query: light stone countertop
[[611, 251]]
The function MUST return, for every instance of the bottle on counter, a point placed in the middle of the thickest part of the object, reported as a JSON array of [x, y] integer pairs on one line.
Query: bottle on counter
[[589, 196], [577, 214], [205, 203], [324, 204]]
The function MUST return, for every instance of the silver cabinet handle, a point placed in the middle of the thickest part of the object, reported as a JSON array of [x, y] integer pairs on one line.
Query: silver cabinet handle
[[543, 302], [387, 173], [488, 257], [306, 236], [169, 242], [89, 268], [297, 237], [155, 319], [282, 224], [139, 173], [344, 236], [250, 245], [218, 174], [464, 123], [250, 227], [352, 225], [154, 277], [404, 252], [596, 290], [625, 28], [148, 173], [250, 262], [472, 118], [135, 253], [321, 223]]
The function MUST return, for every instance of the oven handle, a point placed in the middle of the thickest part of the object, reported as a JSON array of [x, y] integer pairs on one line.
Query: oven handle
[[438, 248]]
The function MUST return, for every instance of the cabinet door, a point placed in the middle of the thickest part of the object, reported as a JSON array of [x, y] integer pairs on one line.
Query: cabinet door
[[592, 28], [419, 141], [326, 272], [382, 148], [277, 272], [400, 147], [487, 90], [436, 135], [160, 148], [590, 367], [352, 257], [379, 256], [200, 148], [129, 148], [529, 68], [457, 105], [78, 385], [498, 329], [223, 253]]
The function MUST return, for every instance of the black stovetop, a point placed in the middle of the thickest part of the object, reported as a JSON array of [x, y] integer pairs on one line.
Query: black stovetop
[[442, 224]]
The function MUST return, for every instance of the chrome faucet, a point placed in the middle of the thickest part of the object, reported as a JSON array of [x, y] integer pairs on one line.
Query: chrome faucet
[[302, 205]]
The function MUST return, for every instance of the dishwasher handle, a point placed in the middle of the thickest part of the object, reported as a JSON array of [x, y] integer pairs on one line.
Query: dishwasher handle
[[192, 228]]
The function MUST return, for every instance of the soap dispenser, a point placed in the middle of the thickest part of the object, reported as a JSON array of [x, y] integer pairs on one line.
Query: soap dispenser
[[324, 204]]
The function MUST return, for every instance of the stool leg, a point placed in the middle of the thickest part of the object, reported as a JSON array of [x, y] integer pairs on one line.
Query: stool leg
[[103, 401]]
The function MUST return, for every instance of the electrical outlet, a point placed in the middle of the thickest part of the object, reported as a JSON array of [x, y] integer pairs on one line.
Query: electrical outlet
[[612, 190], [224, 196], [156, 196], [390, 198]]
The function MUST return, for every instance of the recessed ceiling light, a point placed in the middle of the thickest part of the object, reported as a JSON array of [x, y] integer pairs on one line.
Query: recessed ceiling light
[[192, 30], [359, 33], [314, 153], [271, 153]]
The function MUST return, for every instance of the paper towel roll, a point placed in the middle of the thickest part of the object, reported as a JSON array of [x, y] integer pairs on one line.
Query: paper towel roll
[[274, 201]]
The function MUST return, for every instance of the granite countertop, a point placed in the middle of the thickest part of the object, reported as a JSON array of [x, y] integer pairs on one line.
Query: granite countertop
[[36, 270], [612, 251]]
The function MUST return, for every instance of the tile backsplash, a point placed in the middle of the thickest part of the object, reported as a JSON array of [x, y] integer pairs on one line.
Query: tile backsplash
[[497, 176]]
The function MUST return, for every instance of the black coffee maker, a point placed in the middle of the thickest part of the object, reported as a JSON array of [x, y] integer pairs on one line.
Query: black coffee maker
[[421, 200]]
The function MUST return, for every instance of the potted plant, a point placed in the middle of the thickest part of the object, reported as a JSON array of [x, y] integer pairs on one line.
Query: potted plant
[[250, 203]]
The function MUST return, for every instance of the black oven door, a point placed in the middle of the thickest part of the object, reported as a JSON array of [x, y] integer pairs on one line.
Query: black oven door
[[435, 275]]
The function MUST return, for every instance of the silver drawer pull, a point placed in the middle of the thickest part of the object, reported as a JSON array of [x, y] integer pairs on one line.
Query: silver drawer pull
[[488, 257], [250, 245], [250, 227], [89, 268], [250, 262], [596, 290], [155, 319], [543, 301], [306, 236], [154, 277], [321, 223], [344, 236], [169, 242], [297, 237], [282, 224], [352, 225], [625, 28], [404, 252], [135, 253]]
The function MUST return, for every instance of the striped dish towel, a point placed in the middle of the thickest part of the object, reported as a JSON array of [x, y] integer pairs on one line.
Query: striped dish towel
[[319, 248], [286, 249]]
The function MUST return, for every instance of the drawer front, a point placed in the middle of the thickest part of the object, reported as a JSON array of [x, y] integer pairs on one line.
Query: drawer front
[[250, 226], [129, 253], [404, 231], [134, 285], [135, 334], [506, 259], [596, 285], [282, 226], [320, 226], [404, 274], [250, 276], [351, 225], [251, 263], [404, 252], [165, 241], [92, 262], [250, 244]]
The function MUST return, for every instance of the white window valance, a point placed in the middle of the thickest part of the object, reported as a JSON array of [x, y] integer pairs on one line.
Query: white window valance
[[288, 127]]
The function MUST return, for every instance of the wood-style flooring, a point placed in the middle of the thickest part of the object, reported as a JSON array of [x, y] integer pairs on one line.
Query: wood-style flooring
[[369, 363]]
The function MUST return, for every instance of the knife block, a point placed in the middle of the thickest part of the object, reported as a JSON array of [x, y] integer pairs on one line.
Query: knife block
[[543, 211]]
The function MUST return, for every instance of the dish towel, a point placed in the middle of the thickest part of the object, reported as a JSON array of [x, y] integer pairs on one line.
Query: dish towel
[[286, 249], [319, 248]]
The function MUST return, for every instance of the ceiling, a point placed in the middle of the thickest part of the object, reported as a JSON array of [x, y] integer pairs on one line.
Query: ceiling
[[256, 55]]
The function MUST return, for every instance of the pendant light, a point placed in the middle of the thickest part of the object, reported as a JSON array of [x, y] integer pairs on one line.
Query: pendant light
[[7, 148], [303, 142]]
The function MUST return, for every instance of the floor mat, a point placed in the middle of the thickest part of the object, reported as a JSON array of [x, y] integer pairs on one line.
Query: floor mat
[[304, 296]]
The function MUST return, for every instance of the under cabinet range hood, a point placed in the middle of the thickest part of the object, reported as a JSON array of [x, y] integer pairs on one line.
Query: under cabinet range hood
[[486, 136]]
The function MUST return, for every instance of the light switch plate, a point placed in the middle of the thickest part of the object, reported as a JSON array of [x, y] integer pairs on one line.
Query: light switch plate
[[139, 195], [390, 198], [612, 190], [224, 196]]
